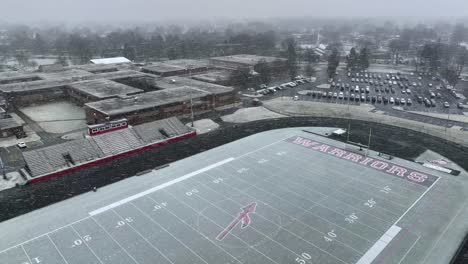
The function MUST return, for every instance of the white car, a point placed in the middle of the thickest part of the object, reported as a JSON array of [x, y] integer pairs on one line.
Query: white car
[[402, 101], [340, 96], [392, 100], [335, 95], [21, 145]]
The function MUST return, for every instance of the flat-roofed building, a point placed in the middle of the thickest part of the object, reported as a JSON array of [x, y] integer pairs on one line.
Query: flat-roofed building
[[94, 90], [161, 104], [247, 61], [177, 67]]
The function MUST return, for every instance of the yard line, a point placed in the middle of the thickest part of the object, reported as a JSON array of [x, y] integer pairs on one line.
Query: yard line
[[411, 248], [221, 227], [183, 221], [84, 241], [24, 250], [353, 178], [379, 246], [420, 197], [167, 231], [144, 238], [159, 187], [344, 244], [300, 150], [113, 239], [44, 234], [266, 146], [56, 248], [250, 246], [272, 238], [347, 204], [445, 229]]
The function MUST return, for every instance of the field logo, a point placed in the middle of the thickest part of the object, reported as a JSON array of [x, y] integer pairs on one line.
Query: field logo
[[376, 164], [243, 217]]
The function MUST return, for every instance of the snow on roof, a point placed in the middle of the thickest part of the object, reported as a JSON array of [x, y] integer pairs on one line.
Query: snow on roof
[[111, 60]]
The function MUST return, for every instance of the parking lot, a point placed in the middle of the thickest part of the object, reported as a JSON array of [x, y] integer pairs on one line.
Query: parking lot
[[383, 90]]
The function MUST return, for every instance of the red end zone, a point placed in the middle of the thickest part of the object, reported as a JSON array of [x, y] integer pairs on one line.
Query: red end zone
[[379, 165]]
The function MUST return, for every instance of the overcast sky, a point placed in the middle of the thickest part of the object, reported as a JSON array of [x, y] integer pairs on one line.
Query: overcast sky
[[157, 10]]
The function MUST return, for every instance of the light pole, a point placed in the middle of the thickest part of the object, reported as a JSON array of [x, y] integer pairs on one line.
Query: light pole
[[189, 68]]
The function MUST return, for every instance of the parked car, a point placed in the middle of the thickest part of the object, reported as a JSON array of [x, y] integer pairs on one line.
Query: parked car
[[392, 101], [409, 102], [21, 145], [446, 105]]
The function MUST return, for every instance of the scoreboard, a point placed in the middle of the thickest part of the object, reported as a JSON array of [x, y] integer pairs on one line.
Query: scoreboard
[[98, 129]]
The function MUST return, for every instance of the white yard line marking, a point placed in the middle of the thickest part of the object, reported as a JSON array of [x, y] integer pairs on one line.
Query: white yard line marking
[[113, 239], [420, 197], [144, 238], [407, 252], [445, 230], [280, 226], [86, 244], [159, 187], [196, 231], [266, 146], [45, 234], [167, 231], [321, 193], [379, 246], [24, 250], [56, 248]]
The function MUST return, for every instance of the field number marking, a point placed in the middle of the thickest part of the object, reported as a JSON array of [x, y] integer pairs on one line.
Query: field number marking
[[370, 203], [262, 161], [242, 170], [218, 180], [385, 190], [124, 222], [281, 153], [191, 192], [351, 218], [330, 236], [303, 258], [160, 206]]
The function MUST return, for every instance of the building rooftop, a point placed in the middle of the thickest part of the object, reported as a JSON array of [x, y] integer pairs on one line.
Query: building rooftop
[[176, 65], [213, 76], [104, 89], [8, 123], [176, 81], [247, 59], [65, 78], [148, 100]]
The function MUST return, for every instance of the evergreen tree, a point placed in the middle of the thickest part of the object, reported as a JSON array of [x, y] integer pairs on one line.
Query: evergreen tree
[[364, 59], [352, 59], [333, 62]]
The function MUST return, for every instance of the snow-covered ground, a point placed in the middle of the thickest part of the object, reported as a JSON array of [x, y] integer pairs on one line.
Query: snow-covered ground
[[13, 178], [250, 114], [57, 117], [203, 126]]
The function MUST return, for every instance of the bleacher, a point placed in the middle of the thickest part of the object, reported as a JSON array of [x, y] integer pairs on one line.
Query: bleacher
[[61, 156]]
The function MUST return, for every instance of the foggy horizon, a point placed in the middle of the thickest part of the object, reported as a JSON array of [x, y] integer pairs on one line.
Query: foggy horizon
[[109, 11]]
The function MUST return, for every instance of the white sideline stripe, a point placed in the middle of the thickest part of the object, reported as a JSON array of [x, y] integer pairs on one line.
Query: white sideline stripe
[[159, 187], [380, 245]]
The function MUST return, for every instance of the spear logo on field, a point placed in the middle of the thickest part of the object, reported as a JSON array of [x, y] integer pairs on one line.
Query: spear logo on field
[[243, 217]]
